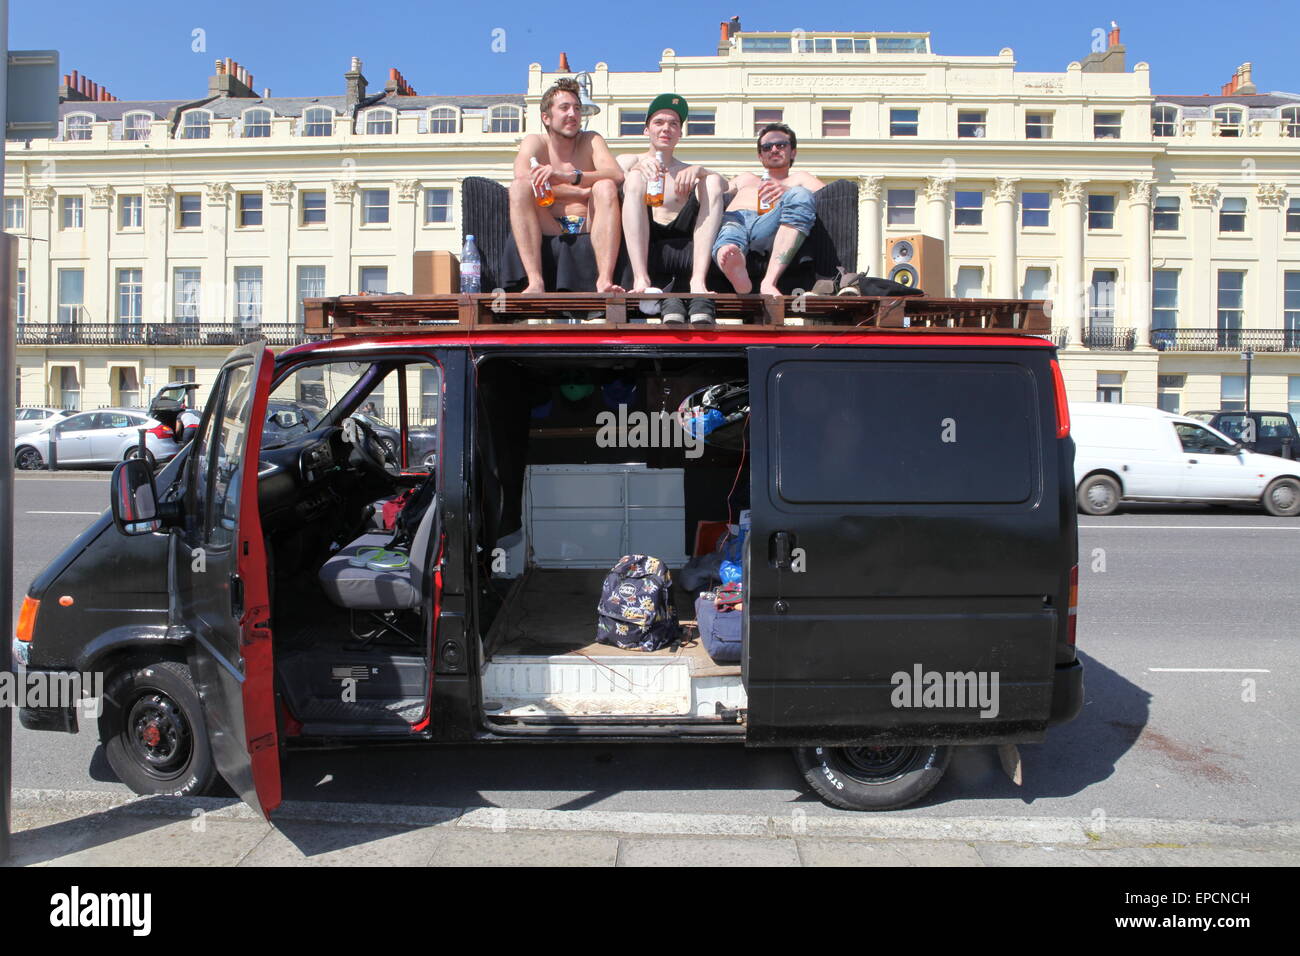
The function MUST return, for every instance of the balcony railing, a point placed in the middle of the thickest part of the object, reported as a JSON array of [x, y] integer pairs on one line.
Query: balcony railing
[[1059, 336], [1112, 337], [159, 333], [1226, 340]]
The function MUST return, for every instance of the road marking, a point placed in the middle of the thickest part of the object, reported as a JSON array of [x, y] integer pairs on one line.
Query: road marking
[[64, 512], [1210, 670], [1197, 527]]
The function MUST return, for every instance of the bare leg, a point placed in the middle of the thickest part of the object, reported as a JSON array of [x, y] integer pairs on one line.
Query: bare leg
[[732, 263], [605, 225], [636, 230], [527, 228], [784, 246], [709, 191]]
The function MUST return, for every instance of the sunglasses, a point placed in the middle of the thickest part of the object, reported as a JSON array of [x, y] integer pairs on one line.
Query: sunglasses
[[778, 144]]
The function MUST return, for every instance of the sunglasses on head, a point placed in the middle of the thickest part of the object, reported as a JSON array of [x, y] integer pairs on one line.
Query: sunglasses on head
[[778, 144]]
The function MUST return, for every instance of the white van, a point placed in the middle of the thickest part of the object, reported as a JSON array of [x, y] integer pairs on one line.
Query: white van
[[1135, 453]]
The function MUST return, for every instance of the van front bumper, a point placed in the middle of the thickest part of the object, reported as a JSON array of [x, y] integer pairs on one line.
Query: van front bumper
[[1067, 693], [62, 719]]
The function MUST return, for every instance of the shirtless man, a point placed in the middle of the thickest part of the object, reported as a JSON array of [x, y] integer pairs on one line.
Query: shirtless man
[[783, 229], [693, 196], [584, 179]]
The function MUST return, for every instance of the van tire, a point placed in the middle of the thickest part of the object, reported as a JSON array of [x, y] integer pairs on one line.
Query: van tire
[[872, 778], [1099, 495], [1282, 498], [153, 731]]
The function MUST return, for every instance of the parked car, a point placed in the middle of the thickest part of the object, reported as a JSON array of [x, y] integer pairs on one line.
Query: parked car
[[102, 437], [1136, 453], [173, 405], [28, 420], [422, 452], [1269, 433]]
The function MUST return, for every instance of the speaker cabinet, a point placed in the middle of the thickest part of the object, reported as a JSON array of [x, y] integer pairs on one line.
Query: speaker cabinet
[[917, 261]]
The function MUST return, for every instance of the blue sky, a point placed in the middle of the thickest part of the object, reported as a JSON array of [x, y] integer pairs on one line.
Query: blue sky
[[143, 50]]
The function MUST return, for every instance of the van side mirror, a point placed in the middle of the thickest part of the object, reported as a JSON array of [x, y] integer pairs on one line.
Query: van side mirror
[[134, 498]]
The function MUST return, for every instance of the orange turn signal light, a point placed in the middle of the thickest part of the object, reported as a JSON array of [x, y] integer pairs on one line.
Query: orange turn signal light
[[27, 619]]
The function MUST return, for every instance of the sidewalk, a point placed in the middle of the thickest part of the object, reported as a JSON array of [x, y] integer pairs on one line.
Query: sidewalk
[[88, 828]]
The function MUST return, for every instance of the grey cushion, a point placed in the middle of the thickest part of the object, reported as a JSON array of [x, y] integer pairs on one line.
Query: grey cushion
[[364, 589]]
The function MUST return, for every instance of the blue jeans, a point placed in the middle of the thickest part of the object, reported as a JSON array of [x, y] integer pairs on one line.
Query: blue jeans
[[748, 230]]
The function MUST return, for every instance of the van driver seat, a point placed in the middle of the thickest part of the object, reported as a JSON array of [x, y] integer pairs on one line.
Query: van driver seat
[[364, 589]]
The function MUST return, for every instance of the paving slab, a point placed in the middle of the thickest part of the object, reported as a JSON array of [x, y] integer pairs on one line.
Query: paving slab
[[475, 847], [139, 842], [342, 844], [816, 852], [715, 852]]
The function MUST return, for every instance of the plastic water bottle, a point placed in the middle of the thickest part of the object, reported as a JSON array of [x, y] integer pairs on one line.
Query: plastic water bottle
[[471, 267]]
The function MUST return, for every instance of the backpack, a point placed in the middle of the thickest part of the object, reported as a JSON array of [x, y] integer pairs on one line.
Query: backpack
[[636, 605], [408, 519]]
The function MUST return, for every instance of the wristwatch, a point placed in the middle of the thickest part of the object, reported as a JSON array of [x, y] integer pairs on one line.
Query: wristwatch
[[577, 177]]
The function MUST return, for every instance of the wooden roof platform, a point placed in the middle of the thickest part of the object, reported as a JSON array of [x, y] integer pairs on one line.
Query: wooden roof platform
[[499, 311]]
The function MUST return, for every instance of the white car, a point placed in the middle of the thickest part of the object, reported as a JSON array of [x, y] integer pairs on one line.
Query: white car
[[1135, 453], [28, 420], [102, 437]]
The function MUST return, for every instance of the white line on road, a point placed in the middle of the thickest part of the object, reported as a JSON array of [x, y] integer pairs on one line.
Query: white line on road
[[1196, 527], [1210, 670], [63, 512]]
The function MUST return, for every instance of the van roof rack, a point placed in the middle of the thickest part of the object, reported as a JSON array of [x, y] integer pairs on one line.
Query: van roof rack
[[499, 311]]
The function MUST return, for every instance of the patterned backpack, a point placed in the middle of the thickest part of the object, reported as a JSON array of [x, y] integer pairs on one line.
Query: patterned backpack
[[636, 605]]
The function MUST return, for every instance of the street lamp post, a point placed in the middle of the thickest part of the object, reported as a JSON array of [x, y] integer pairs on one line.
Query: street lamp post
[[1249, 356]]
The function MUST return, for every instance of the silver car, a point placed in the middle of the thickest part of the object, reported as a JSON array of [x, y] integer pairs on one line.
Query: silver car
[[102, 437], [28, 420]]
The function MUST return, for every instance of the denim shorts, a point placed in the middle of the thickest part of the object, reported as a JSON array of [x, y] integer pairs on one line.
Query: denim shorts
[[749, 230]]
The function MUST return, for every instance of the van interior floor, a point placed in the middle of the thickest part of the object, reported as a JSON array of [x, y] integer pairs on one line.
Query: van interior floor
[[542, 659]]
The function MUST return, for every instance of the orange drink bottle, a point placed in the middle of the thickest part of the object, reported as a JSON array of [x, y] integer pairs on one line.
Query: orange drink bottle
[[654, 190], [764, 206], [544, 196]]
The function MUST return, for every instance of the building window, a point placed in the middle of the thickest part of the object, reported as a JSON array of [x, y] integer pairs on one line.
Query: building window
[[14, 212], [72, 207], [197, 124], [1293, 396], [1166, 213], [968, 208], [437, 205], [1231, 306], [67, 388], [765, 116], [257, 123], [631, 122], [814, 45], [374, 206], [1291, 121], [1228, 120], [430, 399], [971, 124], [835, 122], [505, 119], [189, 211], [1035, 209], [970, 282], [902, 45], [444, 119], [1101, 299], [1038, 126], [1164, 120], [248, 295], [765, 44], [1232, 215], [1164, 299], [183, 373], [379, 122], [1291, 309], [311, 285], [1293, 216], [250, 209], [77, 126], [126, 386], [702, 123], [1101, 211], [1110, 386], [20, 306], [130, 296], [1168, 389], [187, 291], [130, 212], [135, 126], [1106, 125], [72, 292], [373, 280], [318, 121], [1232, 393], [313, 207], [904, 122], [1038, 283], [901, 207]]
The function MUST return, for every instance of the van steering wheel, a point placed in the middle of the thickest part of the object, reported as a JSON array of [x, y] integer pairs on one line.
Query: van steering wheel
[[372, 453]]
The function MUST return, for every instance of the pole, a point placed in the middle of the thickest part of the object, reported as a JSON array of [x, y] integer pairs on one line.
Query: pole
[[8, 346], [1250, 355]]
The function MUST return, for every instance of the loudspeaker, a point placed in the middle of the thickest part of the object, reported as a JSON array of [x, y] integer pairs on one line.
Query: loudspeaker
[[917, 261]]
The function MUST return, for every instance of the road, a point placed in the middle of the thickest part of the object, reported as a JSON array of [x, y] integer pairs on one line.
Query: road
[[1184, 614]]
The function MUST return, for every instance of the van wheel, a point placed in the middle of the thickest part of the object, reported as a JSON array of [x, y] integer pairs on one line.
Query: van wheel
[[153, 730], [1099, 495], [872, 778], [1282, 498]]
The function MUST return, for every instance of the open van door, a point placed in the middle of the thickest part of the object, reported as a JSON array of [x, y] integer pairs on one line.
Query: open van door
[[907, 520], [220, 590]]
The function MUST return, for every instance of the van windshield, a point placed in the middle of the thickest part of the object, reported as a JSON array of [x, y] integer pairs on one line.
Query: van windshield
[[305, 398]]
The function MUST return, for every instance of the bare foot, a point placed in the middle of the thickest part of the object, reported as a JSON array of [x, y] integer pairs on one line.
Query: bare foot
[[641, 285], [608, 287], [732, 264], [699, 288], [769, 288], [534, 288]]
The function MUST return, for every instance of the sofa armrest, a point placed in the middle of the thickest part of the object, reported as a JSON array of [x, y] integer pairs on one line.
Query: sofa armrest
[[485, 215], [837, 212]]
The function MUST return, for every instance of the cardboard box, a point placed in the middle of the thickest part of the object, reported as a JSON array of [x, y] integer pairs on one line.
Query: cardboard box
[[435, 273]]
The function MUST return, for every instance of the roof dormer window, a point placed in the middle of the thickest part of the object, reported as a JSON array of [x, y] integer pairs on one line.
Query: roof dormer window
[[318, 121], [196, 125], [256, 123], [76, 126], [1228, 120]]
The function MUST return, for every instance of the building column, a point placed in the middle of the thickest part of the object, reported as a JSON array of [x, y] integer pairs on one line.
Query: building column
[[216, 229], [1004, 226], [42, 291], [100, 287], [406, 219], [936, 220], [1270, 199], [279, 295], [338, 279], [1072, 290], [1202, 296], [157, 222], [871, 249], [1139, 299]]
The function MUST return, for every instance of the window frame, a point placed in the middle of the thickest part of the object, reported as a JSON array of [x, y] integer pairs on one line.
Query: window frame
[[430, 119], [846, 124], [245, 125], [1290, 117], [303, 209], [187, 295], [1098, 125], [368, 118], [324, 127], [130, 202], [361, 274], [243, 212], [254, 277], [189, 130], [891, 206], [500, 118], [146, 129], [88, 127], [182, 212], [1235, 218], [1045, 128], [300, 293], [958, 209], [134, 314], [1112, 212], [366, 207], [759, 124], [969, 128], [1226, 315], [1159, 310], [631, 122], [1176, 213], [18, 204], [1158, 123], [69, 205], [1291, 215], [1026, 209], [900, 124], [1229, 128], [696, 118], [450, 205]]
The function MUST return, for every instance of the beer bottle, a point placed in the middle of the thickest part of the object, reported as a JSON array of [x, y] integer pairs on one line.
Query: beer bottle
[[544, 197], [763, 206], [654, 190]]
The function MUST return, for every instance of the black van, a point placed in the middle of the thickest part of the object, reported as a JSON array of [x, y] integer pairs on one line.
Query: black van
[[909, 563]]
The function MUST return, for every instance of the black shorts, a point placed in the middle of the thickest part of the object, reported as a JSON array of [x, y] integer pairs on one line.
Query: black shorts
[[682, 226]]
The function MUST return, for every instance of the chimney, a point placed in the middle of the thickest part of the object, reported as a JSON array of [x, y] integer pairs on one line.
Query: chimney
[[564, 64], [81, 89], [1110, 60], [1244, 83], [231, 79], [266, 93], [1112, 38], [356, 84], [726, 30]]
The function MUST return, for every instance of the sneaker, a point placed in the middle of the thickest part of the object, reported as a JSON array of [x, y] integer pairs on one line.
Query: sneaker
[[674, 311], [650, 306], [703, 311]]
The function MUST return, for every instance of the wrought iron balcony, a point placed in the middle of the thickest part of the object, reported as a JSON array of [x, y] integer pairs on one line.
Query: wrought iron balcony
[[160, 333], [1226, 340], [1059, 336], [1111, 337]]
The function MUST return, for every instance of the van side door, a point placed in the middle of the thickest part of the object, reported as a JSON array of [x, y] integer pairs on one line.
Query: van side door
[[220, 583]]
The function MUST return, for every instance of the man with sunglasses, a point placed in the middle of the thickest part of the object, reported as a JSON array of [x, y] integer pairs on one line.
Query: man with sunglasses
[[788, 196]]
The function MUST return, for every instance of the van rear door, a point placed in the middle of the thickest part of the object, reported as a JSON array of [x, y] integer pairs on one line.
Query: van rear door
[[220, 590], [908, 520]]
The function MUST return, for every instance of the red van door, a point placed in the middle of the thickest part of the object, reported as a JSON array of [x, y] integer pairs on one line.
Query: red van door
[[221, 586]]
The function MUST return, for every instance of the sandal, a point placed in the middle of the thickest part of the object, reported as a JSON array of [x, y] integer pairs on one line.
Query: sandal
[[703, 311], [674, 311]]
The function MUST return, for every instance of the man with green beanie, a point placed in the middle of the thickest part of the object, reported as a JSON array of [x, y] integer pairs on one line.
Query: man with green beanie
[[692, 202]]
